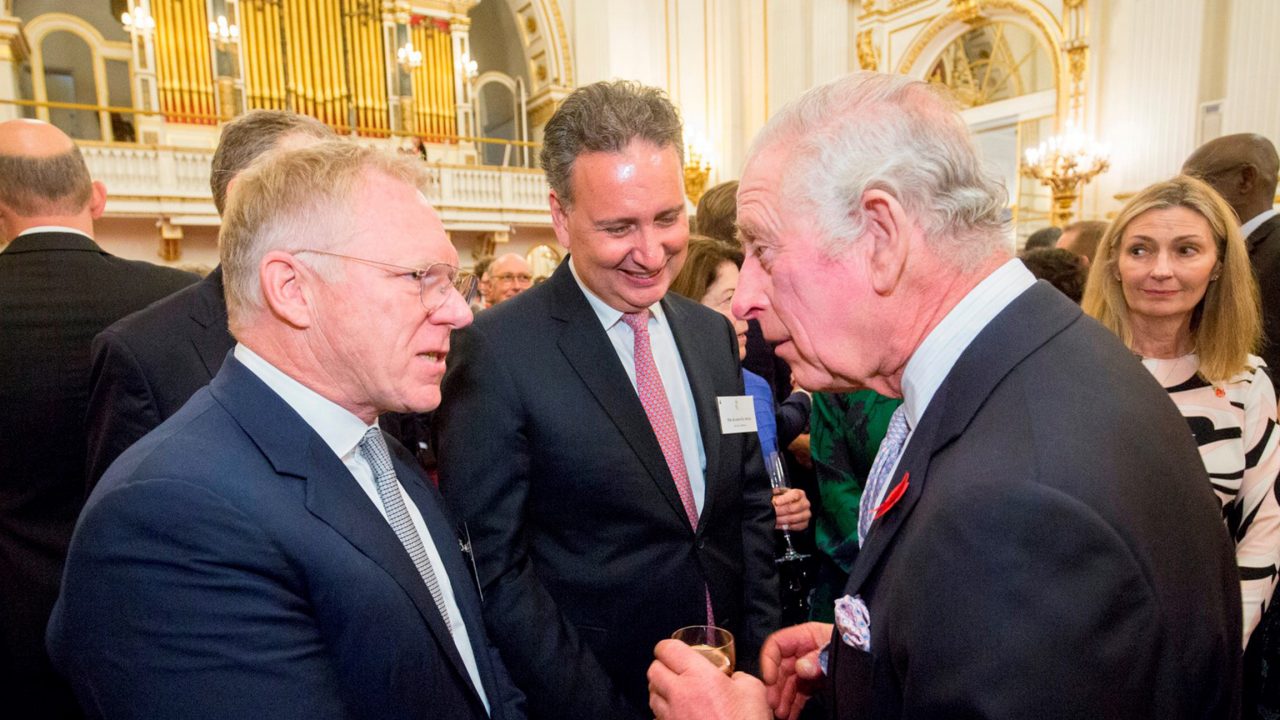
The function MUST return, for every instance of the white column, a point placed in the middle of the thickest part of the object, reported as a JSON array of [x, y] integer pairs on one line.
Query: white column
[[1253, 66], [1149, 59]]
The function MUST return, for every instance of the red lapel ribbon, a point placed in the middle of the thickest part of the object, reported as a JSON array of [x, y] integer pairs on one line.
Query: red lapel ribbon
[[894, 496]]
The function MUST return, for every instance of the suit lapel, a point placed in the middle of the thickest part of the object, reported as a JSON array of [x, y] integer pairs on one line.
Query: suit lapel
[[332, 495], [589, 351], [700, 372], [209, 312], [1028, 322]]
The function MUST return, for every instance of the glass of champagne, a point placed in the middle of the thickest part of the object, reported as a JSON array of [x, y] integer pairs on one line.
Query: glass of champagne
[[713, 643], [774, 465]]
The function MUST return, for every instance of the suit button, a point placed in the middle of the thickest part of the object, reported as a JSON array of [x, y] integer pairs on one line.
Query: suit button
[[702, 544]]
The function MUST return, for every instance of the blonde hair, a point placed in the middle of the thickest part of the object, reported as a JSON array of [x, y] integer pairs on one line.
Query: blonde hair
[[298, 199], [1227, 323]]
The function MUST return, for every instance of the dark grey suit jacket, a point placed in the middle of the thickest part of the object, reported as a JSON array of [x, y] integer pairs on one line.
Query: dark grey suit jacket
[[57, 290], [1264, 253], [1057, 551], [585, 552], [149, 364]]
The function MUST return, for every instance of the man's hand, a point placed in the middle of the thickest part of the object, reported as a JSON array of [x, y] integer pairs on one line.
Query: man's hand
[[792, 509], [790, 668], [685, 685]]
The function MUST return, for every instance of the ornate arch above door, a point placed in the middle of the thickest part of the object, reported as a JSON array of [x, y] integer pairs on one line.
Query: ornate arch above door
[[546, 49]]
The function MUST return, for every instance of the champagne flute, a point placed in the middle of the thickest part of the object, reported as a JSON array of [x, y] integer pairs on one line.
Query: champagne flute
[[713, 643], [778, 480]]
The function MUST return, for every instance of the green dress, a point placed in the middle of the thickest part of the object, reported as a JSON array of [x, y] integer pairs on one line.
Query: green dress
[[844, 434]]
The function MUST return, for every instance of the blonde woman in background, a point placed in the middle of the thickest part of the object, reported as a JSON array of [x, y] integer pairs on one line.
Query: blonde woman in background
[[1172, 279]]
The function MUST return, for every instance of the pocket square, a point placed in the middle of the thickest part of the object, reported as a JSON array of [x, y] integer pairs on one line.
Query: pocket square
[[854, 622]]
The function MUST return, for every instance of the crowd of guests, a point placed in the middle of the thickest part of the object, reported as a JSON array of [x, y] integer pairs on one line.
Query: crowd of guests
[[341, 477]]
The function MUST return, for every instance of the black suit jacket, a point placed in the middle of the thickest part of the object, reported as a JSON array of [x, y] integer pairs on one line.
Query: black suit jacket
[[1057, 551], [149, 364], [260, 581], [585, 553], [57, 290], [1264, 252]]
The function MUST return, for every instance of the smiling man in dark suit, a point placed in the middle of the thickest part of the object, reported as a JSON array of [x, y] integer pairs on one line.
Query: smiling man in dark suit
[[265, 552], [1038, 537], [148, 364], [580, 436], [57, 289]]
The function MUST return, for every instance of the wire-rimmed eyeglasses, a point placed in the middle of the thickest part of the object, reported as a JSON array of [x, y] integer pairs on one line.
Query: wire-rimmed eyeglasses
[[434, 281]]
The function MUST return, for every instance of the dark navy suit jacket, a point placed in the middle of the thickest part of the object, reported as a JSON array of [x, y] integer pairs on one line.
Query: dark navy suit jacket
[[229, 566], [1056, 552]]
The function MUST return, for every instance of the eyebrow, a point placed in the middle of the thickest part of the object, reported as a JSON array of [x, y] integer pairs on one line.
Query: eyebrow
[[1175, 239], [673, 210]]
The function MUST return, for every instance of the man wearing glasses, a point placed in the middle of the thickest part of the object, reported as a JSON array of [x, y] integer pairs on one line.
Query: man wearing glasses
[[265, 552], [508, 276]]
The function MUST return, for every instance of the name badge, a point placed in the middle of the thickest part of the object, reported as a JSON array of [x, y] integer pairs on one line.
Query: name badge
[[737, 414]]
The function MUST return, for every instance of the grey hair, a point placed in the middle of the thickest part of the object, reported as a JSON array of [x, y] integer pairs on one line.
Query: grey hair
[[299, 199], [872, 131], [605, 117]]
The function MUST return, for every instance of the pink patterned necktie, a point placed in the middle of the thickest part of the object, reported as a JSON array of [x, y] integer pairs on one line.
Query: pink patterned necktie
[[653, 396]]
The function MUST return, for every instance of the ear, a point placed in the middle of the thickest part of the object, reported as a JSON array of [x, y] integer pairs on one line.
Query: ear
[[97, 200], [560, 221], [285, 288], [1247, 181], [889, 233]]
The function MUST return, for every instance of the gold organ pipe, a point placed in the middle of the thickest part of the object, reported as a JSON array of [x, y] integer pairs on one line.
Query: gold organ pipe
[[248, 42], [450, 97], [430, 71], [355, 49], [315, 33], [168, 63], [162, 57], [271, 55], [339, 65], [201, 35], [370, 76], [366, 78], [379, 66], [421, 122], [298, 48], [446, 80], [291, 55], [188, 53], [319, 81], [326, 68], [256, 52]]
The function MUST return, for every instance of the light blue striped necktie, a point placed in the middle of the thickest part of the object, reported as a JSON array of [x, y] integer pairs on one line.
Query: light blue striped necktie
[[878, 479], [374, 449]]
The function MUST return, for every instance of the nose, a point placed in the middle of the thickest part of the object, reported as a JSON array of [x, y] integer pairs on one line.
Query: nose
[[1162, 267], [749, 300], [454, 312]]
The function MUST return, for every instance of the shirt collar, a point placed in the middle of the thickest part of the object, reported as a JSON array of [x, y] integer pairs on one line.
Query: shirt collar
[[339, 429], [609, 316], [1256, 222], [52, 229], [932, 361]]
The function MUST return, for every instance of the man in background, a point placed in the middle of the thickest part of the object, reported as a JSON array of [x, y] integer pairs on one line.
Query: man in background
[[580, 436], [149, 364], [508, 276], [58, 289], [1082, 238]]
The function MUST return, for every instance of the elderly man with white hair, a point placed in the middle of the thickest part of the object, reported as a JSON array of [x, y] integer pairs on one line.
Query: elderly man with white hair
[[266, 552], [1038, 540]]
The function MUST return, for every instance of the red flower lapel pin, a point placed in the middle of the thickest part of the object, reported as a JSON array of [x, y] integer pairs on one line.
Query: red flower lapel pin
[[894, 496]]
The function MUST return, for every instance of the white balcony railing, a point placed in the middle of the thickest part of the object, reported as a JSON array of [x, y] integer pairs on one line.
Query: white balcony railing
[[174, 183]]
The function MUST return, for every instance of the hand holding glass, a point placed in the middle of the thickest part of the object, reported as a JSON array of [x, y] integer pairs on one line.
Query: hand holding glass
[[713, 643]]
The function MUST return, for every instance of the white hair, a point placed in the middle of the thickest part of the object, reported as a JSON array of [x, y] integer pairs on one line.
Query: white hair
[[871, 131]]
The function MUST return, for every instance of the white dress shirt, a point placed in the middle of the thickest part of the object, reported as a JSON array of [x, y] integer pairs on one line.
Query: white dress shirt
[[51, 229], [942, 347], [1256, 222], [342, 432], [670, 368]]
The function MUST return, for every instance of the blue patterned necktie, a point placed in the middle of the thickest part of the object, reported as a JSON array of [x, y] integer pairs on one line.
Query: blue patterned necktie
[[878, 479], [374, 449]]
